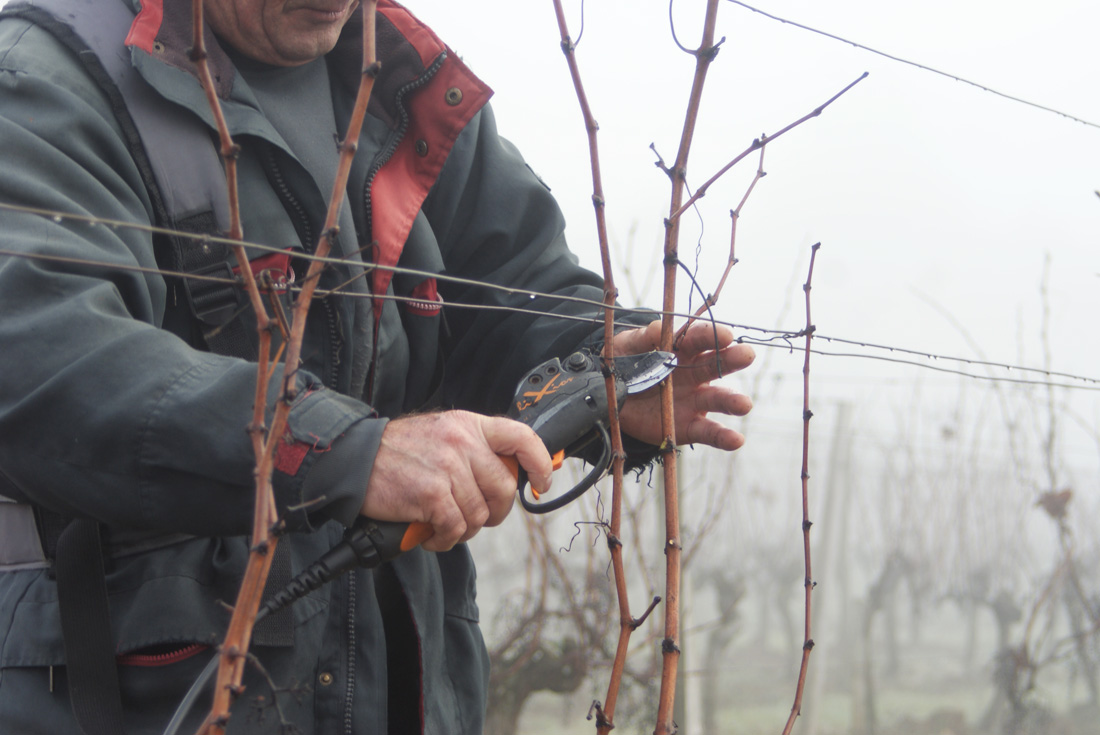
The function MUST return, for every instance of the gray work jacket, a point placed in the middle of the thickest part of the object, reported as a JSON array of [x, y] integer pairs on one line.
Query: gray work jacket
[[106, 412]]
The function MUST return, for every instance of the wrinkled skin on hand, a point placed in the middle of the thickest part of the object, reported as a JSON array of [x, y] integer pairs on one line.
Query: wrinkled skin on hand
[[700, 352], [445, 469]]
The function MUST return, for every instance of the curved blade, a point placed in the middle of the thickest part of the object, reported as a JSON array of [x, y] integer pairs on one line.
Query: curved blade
[[641, 372]]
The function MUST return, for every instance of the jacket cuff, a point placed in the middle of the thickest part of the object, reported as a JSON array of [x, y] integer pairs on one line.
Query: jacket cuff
[[323, 463], [338, 480]]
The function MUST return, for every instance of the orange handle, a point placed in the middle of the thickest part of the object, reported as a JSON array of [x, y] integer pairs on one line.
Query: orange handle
[[416, 534], [513, 466]]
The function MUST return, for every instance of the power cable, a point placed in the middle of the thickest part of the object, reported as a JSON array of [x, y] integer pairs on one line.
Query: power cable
[[366, 544]]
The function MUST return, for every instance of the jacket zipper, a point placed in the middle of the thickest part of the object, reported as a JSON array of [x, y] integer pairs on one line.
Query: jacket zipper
[[305, 234], [161, 659], [303, 227], [399, 134], [349, 686], [379, 161]]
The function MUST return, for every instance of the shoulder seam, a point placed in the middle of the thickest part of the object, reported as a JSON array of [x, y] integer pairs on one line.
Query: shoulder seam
[[9, 49]]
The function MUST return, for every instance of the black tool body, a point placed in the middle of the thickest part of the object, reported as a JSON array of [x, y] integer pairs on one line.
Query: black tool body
[[566, 403]]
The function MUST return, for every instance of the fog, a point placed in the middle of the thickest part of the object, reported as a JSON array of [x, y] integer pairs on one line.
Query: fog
[[955, 223]]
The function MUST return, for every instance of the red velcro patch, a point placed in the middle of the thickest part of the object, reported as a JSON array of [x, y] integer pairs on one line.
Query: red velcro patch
[[289, 456]]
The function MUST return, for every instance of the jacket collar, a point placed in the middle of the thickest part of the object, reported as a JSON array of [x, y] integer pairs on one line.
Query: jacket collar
[[162, 30]]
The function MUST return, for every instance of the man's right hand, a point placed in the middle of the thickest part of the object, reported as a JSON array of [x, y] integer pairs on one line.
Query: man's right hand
[[445, 469]]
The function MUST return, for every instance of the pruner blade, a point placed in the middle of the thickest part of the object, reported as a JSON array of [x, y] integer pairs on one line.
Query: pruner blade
[[642, 372]]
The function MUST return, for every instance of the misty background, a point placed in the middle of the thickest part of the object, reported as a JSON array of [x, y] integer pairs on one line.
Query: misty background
[[954, 462], [955, 223]]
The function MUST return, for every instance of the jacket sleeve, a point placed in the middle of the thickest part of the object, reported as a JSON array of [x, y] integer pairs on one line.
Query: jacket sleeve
[[498, 223], [102, 413]]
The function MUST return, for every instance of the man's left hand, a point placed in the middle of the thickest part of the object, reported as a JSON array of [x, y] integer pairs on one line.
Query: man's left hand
[[703, 353]]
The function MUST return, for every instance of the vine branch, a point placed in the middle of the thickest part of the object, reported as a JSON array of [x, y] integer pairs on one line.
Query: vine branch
[[735, 215], [265, 528], [704, 55], [604, 723], [757, 144], [807, 642]]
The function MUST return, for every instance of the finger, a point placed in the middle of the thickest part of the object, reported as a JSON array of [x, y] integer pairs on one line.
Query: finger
[[510, 438], [498, 491], [737, 357], [719, 399], [637, 341], [476, 502], [703, 369], [709, 366], [704, 336], [706, 431], [448, 526]]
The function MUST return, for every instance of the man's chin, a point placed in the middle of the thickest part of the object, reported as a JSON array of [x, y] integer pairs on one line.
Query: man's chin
[[305, 47]]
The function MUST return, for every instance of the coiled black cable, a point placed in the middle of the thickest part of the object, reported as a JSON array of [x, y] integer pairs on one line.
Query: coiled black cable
[[366, 544]]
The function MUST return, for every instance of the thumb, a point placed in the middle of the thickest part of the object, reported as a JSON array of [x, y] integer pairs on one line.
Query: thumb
[[637, 341]]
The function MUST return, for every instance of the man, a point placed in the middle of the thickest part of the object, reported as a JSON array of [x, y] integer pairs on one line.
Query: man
[[124, 396]]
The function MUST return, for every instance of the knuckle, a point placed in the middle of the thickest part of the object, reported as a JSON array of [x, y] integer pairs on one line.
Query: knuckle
[[501, 490], [450, 529], [478, 517], [449, 463], [698, 431], [437, 488]]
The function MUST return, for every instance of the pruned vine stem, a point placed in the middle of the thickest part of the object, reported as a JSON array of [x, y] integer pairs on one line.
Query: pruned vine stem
[[807, 640], [605, 722], [670, 648], [234, 648]]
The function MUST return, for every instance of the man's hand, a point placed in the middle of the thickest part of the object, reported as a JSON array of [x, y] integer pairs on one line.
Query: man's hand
[[694, 395], [445, 469]]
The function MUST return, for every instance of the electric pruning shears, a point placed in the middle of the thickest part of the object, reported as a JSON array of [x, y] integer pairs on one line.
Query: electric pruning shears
[[566, 403]]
